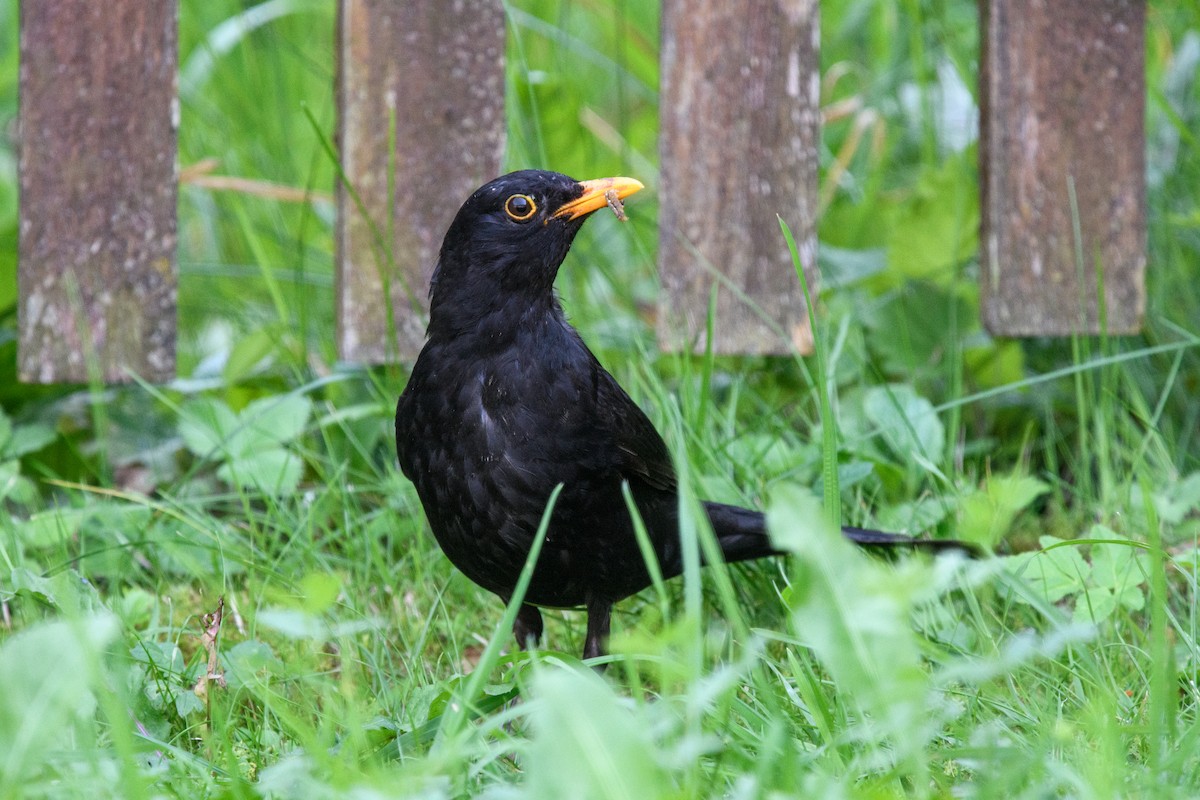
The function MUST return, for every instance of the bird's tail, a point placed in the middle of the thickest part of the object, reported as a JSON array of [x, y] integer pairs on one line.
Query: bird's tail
[[865, 537], [742, 534]]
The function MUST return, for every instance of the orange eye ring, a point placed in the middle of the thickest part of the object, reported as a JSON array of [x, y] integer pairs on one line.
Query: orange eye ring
[[520, 207]]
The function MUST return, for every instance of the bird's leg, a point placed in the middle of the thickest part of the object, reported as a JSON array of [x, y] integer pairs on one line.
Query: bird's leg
[[599, 616], [527, 627]]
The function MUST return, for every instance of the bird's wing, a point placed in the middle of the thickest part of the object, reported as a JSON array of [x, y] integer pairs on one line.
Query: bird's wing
[[642, 453]]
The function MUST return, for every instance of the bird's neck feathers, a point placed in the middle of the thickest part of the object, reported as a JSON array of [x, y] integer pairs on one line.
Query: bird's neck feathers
[[493, 304]]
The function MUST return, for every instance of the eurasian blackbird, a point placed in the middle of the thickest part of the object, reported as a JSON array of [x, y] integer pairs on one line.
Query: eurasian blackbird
[[505, 402]]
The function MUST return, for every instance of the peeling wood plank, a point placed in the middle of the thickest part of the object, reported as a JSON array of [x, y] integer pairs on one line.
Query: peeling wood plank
[[428, 77], [740, 123], [99, 114], [1062, 147]]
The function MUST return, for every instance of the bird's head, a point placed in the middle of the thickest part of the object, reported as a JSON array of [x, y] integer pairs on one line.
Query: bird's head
[[509, 239]]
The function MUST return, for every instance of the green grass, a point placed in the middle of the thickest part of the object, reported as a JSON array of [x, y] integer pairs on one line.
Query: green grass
[[357, 662]]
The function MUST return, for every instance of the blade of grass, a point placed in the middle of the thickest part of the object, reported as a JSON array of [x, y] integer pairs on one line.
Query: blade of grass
[[1162, 713], [825, 389], [457, 715]]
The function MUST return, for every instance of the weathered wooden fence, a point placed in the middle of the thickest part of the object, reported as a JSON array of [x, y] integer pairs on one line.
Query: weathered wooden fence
[[420, 88], [98, 185], [1062, 153]]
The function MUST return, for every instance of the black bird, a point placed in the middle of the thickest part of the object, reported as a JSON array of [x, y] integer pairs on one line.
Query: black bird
[[505, 402]]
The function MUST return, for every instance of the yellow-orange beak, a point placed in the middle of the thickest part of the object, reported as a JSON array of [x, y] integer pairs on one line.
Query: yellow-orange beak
[[595, 195]]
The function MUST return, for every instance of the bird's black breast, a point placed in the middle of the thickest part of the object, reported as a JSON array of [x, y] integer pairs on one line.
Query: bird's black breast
[[487, 433]]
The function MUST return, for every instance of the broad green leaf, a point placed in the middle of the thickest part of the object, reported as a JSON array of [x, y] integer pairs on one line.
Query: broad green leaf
[[118, 518], [986, 515], [161, 658], [66, 591], [587, 743], [1188, 559], [272, 471], [293, 623], [1000, 363], [50, 528], [48, 702], [1131, 597], [911, 328], [1175, 501], [719, 488], [14, 486], [907, 420], [17, 440], [319, 591], [1094, 605], [187, 703], [250, 351], [937, 226], [765, 454], [913, 517], [1116, 566], [853, 473], [277, 420], [208, 428], [1120, 570], [854, 614], [27, 439], [251, 663], [1053, 573], [842, 267]]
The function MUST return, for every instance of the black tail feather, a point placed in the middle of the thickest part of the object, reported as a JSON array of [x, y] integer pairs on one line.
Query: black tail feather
[[742, 534], [865, 537]]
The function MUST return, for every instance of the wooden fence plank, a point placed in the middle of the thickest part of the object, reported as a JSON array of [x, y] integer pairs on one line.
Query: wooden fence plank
[[428, 77], [98, 123], [1063, 103], [740, 122]]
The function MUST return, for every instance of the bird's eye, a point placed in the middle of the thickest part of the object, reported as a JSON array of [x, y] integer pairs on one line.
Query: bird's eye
[[520, 207]]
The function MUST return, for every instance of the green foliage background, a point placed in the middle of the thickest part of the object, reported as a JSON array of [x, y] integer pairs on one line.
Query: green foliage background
[[356, 662]]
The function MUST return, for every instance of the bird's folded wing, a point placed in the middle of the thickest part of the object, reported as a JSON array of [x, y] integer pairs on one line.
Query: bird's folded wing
[[642, 452]]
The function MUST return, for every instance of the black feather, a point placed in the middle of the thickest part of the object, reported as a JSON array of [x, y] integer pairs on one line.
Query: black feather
[[506, 402]]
